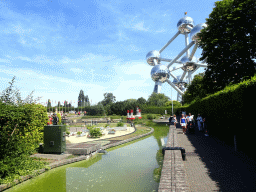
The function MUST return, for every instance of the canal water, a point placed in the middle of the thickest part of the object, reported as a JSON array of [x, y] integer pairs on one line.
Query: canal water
[[127, 168]]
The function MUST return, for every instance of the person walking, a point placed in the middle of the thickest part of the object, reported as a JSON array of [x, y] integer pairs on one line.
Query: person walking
[[205, 127], [190, 122], [170, 120], [174, 120], [199, 122], [187, 126], [183, 123]]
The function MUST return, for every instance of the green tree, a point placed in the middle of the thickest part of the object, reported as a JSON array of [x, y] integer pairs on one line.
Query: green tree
[[229, 43], [109, 98], [195, 90], [141, 101], [175, 103], [157, 99]]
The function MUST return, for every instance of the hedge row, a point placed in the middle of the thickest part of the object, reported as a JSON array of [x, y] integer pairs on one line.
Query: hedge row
[[21, 132], [228, 112]]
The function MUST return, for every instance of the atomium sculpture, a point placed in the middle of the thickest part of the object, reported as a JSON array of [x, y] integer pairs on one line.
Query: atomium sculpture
[[189, 64]]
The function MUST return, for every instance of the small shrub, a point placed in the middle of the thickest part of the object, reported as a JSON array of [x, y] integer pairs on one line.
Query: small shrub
[[67, 132], [120, 124], [151, 116], [95, 132], [79, 133]]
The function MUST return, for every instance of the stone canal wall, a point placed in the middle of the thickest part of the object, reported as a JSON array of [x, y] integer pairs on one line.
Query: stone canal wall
[[173, 175]]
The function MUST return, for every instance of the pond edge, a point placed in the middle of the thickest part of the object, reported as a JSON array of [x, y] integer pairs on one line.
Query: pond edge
[[68, 161]]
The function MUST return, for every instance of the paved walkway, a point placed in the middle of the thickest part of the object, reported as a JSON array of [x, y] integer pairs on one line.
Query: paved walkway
[[214, 166]]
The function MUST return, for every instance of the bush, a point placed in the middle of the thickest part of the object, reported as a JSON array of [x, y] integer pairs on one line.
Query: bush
[[67, 132], [107, 125], [95, 132], [79, 133], [120, 124], [151, 116]]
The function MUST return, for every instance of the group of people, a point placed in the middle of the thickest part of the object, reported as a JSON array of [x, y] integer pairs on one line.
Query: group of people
[[187, 122]]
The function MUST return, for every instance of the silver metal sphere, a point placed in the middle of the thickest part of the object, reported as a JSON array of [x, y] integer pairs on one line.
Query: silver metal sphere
[[151, 56], [185, 24], [196, 30], [180, 84], [160, 73], [188, 65]]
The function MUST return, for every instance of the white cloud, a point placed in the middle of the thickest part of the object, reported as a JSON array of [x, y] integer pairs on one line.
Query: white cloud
[[4, 61], [140, 26]]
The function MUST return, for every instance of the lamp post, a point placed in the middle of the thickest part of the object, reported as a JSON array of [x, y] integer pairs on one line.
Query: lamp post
[[172, 103]]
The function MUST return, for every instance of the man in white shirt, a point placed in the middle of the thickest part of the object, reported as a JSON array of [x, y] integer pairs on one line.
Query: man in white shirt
[[190, 119]]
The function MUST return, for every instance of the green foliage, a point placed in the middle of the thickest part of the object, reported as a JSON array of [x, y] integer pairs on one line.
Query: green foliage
[[19, 166], [157, 171], [95, 132], [67, 132], [120, 124], [159, 110], [195, 90], [79, 133], [141, 101], [231, 105], [109, 98], [107, 125], [140, 121], [228, 43], [157, 99], [175, 104], [59, 117], [151, 116], [22, 123]]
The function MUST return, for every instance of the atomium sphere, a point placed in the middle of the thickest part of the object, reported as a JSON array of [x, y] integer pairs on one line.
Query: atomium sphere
[[175, 81], [151, 56], [188, 65], [181, 85], [160, 73], [196, 30], [185, 24]]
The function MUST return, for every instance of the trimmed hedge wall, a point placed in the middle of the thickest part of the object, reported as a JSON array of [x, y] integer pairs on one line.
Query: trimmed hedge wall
[[228, 113]]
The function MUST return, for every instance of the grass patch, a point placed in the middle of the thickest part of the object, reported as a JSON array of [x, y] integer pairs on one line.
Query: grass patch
[[140, 130], [72, 156]]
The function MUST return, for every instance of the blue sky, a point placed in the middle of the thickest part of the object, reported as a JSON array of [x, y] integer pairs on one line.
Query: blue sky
[[58, 47]]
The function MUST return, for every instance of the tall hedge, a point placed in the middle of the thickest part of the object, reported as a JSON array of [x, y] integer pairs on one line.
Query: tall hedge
[[21, 132], [229, 112]]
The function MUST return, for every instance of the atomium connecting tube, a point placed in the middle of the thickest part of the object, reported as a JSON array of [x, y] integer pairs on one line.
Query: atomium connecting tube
[[175, 87], [181, 53], [193, 52], [168, 43]]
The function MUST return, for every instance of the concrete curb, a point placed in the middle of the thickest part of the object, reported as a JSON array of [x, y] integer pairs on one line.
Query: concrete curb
[[73, 160]]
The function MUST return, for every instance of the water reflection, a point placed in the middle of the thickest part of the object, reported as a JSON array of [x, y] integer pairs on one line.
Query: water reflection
[[128, 168]]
